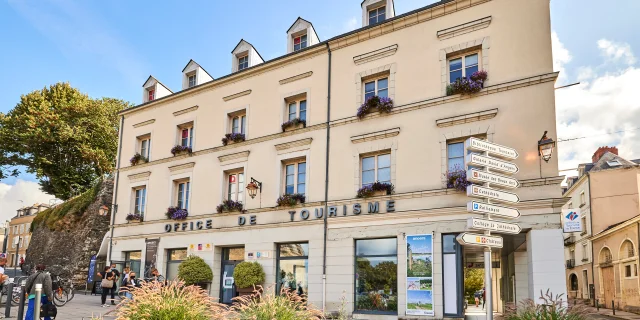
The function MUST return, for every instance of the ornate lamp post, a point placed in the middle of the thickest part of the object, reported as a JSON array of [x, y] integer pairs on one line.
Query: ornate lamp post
[[253, 188], [545, 147]]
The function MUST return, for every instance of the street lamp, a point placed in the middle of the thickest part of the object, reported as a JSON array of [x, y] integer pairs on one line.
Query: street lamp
[[103, 210], [253, 187], [545, 147]]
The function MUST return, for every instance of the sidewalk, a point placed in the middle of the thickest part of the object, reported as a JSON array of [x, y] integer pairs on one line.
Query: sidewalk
[[82, 307], [619, 314]]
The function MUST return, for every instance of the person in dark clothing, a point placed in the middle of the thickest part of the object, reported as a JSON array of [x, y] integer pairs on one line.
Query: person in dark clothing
[[116, 282], [484, 297], [40, 277], [109, 275]]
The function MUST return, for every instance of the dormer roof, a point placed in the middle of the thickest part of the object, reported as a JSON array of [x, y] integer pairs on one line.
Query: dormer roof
[[300, 19], [241, 46], [301, 27], [389, 12], [192, 62], [150, 82]]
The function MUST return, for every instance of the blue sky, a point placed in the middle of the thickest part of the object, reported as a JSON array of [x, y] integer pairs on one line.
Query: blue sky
[[109, 48]]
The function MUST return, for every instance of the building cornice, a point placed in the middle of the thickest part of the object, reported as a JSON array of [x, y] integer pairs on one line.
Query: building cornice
[[617, 228]]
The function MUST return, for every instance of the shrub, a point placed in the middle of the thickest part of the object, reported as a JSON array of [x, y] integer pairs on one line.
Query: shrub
[[285, 306], [176, 213], [384, 105], [248, 274], [194, 270], [293, 123], [153, 300], [290, 199], [552, 307], [468, 85], [370, 190], [235, 137], [180, 149], [457, 179], [57, 218], [229, 206], [134, 216], [137, 158]]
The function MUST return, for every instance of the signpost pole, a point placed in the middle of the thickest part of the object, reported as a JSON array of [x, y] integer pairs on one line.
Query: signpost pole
[[488, 292]]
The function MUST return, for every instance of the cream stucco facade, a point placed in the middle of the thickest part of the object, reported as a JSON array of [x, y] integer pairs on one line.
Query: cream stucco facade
[[412, 52]]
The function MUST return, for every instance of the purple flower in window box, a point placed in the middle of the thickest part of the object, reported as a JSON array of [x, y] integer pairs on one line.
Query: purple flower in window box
[[134, 217], [232, 137], [178, 149], [137, 158], [372, 189], [457, 179], [176, 213], [229, 206], [382, 104], [468, 85], [290, 199], [293, 123]]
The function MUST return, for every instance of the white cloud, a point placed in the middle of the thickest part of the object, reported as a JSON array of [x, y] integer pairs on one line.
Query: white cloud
[[561, 56], [351, 24], [22, 193], [616, 51], [585, 73]]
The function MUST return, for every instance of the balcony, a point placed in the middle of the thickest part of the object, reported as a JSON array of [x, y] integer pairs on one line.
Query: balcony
[[571, 263], [569, 240]]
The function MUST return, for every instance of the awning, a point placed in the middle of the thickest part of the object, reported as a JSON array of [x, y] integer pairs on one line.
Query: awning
[[104, 246]]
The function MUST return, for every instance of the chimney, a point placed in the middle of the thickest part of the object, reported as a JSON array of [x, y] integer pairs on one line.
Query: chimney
[[602, 150]]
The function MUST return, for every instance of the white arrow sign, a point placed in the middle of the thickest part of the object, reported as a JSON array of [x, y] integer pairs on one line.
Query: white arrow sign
[[492, 163], [479, 240], [497, 226], [492, 148], [476, 175], [483, 192], [479, 207]]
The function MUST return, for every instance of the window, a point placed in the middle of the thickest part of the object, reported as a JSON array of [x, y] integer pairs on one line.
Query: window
[[376, 276], [614, 163], [151, 94], [585, 255], [243, 62], [582, 198], [376, 168], [630, 270], [174, 258], [377, 15], [145, 146], [574, 282], [572, 254], [583, 221], [21, 228], [297, 109], [627, 250], [192, 80], [377, 87], [292, 268], [235, 186], [132, 259], [464, 66], [183, 194], [299, 42], [455, 156], [295, 175], [238, 124], [140, 200], [186, 137]]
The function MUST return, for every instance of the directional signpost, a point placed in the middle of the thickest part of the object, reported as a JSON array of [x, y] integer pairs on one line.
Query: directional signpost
[[488, 171]]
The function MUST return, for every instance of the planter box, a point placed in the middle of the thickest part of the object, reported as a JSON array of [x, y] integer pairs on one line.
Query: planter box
[[181, 153], [296, 127], [134, 221], [380, 193]]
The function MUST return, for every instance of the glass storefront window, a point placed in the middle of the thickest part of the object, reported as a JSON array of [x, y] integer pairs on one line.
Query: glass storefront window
[[293, 266], [230, 258], [376, 277], [174, 258], [132, 259]]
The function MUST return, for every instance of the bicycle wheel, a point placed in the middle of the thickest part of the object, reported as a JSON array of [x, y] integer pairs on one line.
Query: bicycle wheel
[[15, 297], [70, 293], [60, 297]]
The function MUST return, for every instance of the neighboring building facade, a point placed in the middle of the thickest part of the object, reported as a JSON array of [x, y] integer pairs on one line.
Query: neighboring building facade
[[604, 254], [409, 58], [4, 230], [19, 233]]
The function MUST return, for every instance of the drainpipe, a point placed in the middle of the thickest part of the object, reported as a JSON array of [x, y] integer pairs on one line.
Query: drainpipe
[[593, 277], [114, 208], [326, 186]]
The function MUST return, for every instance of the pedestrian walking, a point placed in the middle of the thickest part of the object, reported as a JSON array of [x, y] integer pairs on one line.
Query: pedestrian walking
[[3, 277], [40, 277], [476, 297], [108, 284], [484, 297], [125, 276]]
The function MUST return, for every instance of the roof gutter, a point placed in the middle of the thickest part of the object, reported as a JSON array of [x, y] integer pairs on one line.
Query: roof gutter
[[326, 186]]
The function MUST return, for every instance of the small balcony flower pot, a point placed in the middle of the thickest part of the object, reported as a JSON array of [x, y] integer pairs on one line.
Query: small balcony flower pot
[[293, 124], [134, 218], [176, 213], [468, 85], [290, 200], [376, 189], [180, 150], [457, 179], [229, 206], [375, 103], [231, 138], [138, 158]]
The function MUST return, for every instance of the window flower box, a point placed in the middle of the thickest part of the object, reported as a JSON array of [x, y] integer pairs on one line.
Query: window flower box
[[468, 85], [229, 206], [134, 217], [179, 150], [382, 104], [457, 179], [176, 213], [292, 124], [375, 189], [231, 138], [290, 200], [138, 158]]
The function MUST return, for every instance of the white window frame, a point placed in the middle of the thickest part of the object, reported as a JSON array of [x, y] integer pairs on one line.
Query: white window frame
[[151, 94], [306, 42], [296, 175], [190, 133], [376, 168], [463, 56], [376, 90], [582, 199], [241, 123], [297, 103], [195, 80], [182, 199], [584, 251], [378, 14], [145, 152], [243, 64], [633, 269], [239, 190], [143, 204]]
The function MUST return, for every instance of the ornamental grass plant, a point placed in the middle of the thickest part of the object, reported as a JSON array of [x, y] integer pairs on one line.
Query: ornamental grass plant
[[551, 308], [268, 306]]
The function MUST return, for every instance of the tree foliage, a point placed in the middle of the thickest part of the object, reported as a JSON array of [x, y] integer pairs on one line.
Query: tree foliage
[[247, 274], [63, 136], [473, 281], [194, 270]]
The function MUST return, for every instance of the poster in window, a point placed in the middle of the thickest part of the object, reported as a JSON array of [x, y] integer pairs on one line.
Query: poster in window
[[151, 254], [420, 275]]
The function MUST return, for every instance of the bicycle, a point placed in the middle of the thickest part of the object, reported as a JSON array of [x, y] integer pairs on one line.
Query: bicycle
[[60, 294]]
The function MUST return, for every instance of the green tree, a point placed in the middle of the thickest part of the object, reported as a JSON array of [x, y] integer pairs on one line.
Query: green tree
[[194, 270], [473, 281], [63, 136]]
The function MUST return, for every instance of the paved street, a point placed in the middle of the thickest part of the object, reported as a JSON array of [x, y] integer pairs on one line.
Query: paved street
[[82, 307]]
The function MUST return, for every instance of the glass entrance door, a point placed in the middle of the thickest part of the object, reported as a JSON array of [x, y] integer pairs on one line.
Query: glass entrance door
[[230, 258]]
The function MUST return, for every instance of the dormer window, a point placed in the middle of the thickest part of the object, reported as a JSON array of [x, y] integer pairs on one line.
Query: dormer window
[[152, 89], [299, 42], [192, 80], [377, 15], [151, 94], [243, 62]]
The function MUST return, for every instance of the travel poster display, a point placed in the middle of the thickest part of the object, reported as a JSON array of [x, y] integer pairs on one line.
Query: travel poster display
[[420, 275]]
